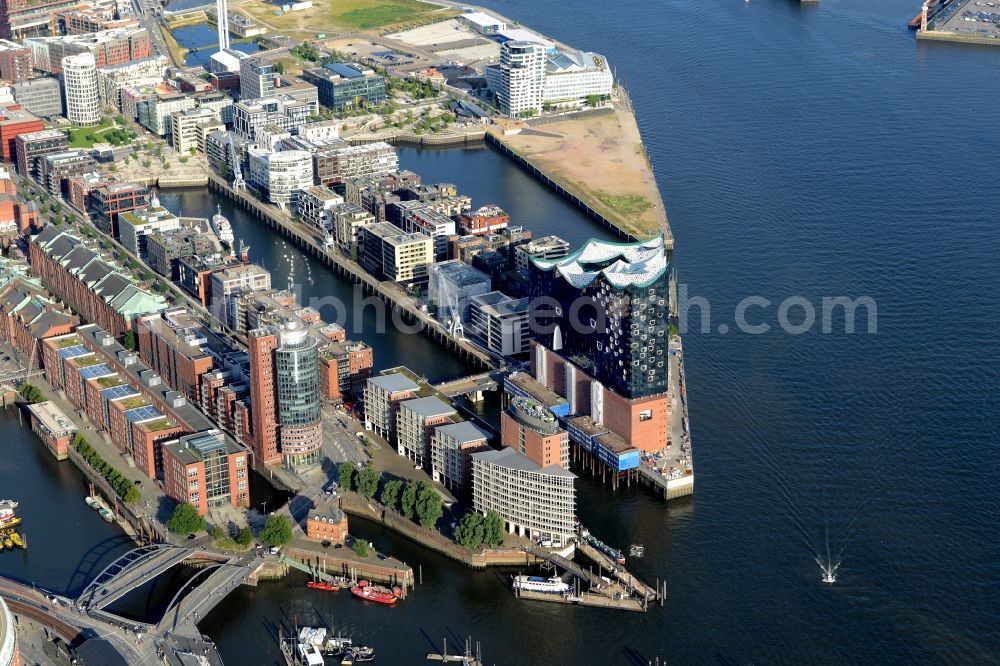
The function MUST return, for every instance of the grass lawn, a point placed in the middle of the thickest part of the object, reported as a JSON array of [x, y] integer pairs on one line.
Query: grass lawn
[[104, 132], [625, 204], [347, 15]]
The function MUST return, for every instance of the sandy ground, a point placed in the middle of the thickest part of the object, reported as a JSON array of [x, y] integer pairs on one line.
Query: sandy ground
[[597, 154], [441, 32]]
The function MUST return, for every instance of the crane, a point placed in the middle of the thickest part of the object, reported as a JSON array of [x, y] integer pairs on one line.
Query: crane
[[238, 182]]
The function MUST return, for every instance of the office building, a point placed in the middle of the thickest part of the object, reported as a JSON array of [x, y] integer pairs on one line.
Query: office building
[[451, 285], [141, 73], [415, 423], [164, 250], [343, 85], [382, 397], [206, 469], [500, 322], [42, 97], [15, 61], [328, 524], [452, 446], [573, 77], [419, 217], [256, 78], [135, 227], [109, 200], [280, 176], [15, 121], [533, 501], [250, 114], [385, 250], [336, 164], [56, 170], [531, 429], [110, 47], [344, 368], [346, 221], [284, 396], [30, 147], [521, 88]]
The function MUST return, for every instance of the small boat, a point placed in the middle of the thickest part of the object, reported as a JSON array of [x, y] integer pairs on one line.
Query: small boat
[[364, 590], [16, 539], [7, 543], [93, 503], [361, 654], [328, 645], [7, 517], [322, 585], [106, 515], [309, 654]]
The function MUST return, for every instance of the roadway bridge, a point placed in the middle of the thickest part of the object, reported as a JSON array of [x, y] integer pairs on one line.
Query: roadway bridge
[[472, 385]]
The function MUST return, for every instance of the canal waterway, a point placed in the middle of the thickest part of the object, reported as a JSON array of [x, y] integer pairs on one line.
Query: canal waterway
[[811, 151]]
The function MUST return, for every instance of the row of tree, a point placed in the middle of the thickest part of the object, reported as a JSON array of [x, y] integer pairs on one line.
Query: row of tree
[[416, 500], [121, 485], [31, 393]]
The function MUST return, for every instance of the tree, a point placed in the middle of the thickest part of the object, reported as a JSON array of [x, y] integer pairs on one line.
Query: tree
[[186, 520], [360, 547], [277, 531], [132, 495], [279, 67], [408, 500], [493, 529], [346, 472], [368, 481], [245, 537], [429, 507], [593, 100], [31, 394], [470, 530], [218, 534], [130, 342], [390, 494]]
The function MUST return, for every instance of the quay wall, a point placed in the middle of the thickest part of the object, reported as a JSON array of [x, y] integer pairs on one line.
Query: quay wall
[[402, 138], [941, 36], [350, 568], [490, 557]]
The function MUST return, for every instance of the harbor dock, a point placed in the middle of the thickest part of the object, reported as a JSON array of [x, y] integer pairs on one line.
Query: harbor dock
[[961, 21]]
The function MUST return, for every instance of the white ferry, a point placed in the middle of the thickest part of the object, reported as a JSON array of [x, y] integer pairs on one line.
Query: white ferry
[[554, 585], [221, 227]]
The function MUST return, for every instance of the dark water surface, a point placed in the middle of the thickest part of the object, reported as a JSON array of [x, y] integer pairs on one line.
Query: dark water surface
[[801, 151]]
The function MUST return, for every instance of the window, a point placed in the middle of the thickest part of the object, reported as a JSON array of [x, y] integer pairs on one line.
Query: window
[[646, 415]]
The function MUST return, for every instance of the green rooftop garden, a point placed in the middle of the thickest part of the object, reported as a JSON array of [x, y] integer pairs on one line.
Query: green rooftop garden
[[86, 361], [67, 342], [134, 402], [109, 382], [161, 424]]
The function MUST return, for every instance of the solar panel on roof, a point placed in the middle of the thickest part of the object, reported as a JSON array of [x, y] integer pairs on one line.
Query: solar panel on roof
[[142, 413], [70, 352], [99, 370], [115, 392]]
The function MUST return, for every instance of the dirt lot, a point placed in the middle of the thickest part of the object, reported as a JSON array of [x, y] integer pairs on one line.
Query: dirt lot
[[600, 159], [338, 16]]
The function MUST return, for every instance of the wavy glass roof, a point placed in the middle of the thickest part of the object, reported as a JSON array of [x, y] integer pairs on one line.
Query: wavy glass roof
[[623, 265]]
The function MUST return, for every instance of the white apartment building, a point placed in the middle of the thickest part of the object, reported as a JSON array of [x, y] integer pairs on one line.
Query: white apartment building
[[415, 422], [347, 221], [337, 164], [534, 501], [83, 102], [280, 176], [431, 223], [382, 394], [570, 78], [522, 78], [136, 74], [452, 447], [279, 110], [384, 249], [189, 128], [315, 204], [136, 226]]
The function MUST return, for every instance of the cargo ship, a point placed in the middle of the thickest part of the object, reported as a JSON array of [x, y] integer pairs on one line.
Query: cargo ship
[[364, 590], [222, 228], [915, 22], [554, 585]]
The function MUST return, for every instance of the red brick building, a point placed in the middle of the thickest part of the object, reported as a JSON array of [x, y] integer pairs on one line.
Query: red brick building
[[327, 524], [205, 469], [179, 348], [15, 61], [52, 427], [484, 221], [533, 431]]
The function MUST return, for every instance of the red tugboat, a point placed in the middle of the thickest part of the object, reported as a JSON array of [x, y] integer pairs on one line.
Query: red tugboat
[[364, 590], [322, 585]]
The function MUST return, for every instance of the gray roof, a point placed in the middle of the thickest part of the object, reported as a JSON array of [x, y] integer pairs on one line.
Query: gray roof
[[79, 257], [394, 382], [93, 273], [48, 233], [513, 459], [62, 246], [111, 286], [464, 432], [428, 407]]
